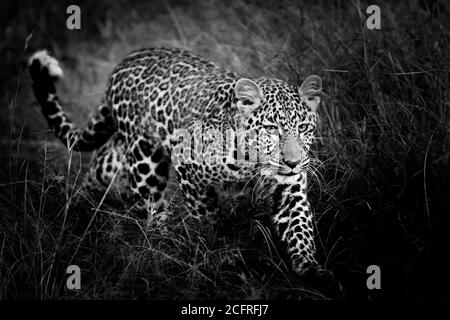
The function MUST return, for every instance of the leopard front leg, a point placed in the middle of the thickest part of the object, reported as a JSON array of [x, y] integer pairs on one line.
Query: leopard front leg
[[294, 224]]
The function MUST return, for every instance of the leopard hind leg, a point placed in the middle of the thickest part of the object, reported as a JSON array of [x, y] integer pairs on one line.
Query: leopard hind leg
[[107, 170], [148, 172]]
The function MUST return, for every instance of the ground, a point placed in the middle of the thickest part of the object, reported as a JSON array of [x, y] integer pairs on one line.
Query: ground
[[380, 196]]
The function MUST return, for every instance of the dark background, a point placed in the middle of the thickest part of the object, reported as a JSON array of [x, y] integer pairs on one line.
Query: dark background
[[381, 196]]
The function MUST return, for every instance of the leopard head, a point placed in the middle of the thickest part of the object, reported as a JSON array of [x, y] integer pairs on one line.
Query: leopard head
[[278, 120]]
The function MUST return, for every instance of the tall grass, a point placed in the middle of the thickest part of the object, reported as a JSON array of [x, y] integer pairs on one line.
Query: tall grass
[[381, 196]]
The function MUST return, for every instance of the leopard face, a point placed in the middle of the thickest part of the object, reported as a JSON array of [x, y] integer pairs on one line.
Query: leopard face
[[279, 121]]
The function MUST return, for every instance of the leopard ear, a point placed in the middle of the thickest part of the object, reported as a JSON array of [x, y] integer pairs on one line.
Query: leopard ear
[[311, 89], [248, 94]]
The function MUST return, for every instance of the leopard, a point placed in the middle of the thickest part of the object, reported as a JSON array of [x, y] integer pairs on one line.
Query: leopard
[[168, 107]]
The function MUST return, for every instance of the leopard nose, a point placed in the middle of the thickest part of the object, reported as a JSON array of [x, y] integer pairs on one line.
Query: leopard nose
[[292, 152], [292, 163]]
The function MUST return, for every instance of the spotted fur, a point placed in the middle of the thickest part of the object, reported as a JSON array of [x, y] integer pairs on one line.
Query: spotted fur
[[166, 107]]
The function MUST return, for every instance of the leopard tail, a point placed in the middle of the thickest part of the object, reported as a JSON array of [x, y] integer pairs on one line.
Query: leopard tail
[[45, 72]]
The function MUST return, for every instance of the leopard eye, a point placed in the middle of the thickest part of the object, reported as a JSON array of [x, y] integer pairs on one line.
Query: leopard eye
[[302, 128], [270, 127]]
